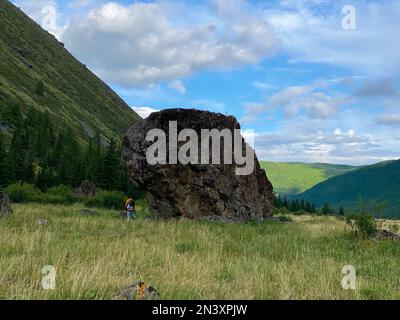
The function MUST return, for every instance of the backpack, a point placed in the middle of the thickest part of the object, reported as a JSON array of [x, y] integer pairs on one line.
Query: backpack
[[128, 202]]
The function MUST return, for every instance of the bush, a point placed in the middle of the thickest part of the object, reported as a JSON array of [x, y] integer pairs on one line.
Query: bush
[[60, 190], [300, 213], [364, 224], [21, 192], [59, 195], [285, 219], [107, 199]]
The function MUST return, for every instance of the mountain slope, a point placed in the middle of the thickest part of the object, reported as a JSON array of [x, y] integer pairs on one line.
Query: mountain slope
[[71, 93], [292, 178], [376, 183]]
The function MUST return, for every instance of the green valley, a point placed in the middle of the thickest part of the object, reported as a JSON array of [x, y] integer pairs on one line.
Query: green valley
[[292, 178]]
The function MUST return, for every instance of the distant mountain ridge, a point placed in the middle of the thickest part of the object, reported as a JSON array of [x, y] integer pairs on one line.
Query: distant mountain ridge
[[291, 178], [374, 184], [31, 58]]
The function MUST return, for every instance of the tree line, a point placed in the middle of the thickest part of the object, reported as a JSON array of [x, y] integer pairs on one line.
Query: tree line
[[39, 154], [297, 205]]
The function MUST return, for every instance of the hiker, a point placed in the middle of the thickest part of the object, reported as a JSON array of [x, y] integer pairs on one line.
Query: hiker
[[130, 209]]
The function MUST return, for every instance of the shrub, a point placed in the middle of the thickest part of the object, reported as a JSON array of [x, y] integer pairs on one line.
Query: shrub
[[285, 219], [364, 224], [21, 192], [300, 213], [106, 199], [60, 190], [58, 195]]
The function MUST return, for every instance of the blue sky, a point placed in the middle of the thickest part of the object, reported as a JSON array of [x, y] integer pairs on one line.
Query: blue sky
[[312, 90]]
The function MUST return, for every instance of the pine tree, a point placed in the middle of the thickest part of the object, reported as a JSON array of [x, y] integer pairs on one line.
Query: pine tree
[[39, 90], [326, 210], [313, 209], [3, 168], [341, 211], [110, 176], [308, 207], [69, 163]]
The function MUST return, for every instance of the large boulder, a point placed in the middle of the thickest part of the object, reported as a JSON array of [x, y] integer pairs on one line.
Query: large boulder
[[86, 189], [5, 205], [195, 190]]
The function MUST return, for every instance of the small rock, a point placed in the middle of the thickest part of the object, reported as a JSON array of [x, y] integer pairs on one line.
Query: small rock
[[42, 222], [138, 291], [5, 205]]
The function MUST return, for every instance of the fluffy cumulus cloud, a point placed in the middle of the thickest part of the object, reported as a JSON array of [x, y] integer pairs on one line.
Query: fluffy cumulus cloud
[[144, 112], [312, 141], [148, 43], [178, 86], [293, 100]]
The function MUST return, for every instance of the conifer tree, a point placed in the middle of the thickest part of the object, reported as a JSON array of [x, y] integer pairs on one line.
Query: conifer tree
[[3, 168]]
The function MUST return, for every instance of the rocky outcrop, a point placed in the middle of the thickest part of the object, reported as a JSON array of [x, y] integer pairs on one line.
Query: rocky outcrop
[[138, 291], [195, 190], [5, 205], [86, 189], [384, 235]]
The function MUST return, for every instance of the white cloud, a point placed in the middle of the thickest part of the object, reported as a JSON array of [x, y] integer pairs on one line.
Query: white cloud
[[310, 33], [144, 112], [388, 120], [295, 99], [178, 86], [261, 85], [148, 43], [311, 141], [337, 132]]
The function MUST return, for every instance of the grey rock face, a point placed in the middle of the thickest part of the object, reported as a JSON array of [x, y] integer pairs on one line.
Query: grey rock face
[[138, 291], [86, 189], [195, 190], [384, 235], [5, 205]]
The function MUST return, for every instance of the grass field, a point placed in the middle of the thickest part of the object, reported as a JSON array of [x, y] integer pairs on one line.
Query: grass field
[[292, 178], [96, 256]]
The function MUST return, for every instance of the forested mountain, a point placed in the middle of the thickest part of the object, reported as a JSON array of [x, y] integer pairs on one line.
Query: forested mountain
[[37, 72], [374, 186]]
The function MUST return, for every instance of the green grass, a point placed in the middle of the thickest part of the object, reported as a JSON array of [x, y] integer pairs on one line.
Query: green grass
[[72, 94], [184, 259], [291, 178]]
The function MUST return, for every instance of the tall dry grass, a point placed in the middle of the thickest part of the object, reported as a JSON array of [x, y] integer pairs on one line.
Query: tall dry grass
[[96, 256]]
